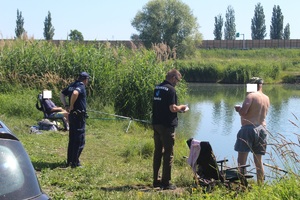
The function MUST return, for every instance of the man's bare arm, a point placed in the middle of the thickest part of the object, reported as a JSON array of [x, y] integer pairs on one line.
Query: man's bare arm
[[74, 97]]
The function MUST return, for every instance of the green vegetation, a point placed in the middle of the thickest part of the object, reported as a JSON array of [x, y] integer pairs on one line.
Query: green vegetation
[[20, 25], [237, 66], [76, 35], [48, 28], [120, 77], [117, 164], [276, 27], [258, 24], [170, 22], [229, 30], [124, 78]]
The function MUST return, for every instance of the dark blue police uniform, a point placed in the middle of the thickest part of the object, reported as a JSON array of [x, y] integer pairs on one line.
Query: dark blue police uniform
[[77, 119]]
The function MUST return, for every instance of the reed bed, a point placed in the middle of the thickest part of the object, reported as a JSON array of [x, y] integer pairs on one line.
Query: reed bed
[[120, 77], [285, 152], [124, 77]]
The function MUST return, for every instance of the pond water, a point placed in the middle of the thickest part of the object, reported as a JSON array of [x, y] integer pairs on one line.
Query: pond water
[[212, 118]]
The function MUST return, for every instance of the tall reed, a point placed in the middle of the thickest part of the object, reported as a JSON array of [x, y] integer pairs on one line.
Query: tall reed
[[120, 77]]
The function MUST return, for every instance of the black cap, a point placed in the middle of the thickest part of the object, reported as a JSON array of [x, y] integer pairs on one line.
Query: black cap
[[84, 75]]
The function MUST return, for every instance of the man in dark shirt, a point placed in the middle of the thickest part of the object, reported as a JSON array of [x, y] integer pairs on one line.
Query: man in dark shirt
[[164, 120], [77, 100]]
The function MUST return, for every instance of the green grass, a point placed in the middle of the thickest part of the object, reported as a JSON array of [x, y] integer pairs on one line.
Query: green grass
[[118, 165]]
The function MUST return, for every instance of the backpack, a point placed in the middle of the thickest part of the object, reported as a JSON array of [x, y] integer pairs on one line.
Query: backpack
[[38, 104], [47, 125]]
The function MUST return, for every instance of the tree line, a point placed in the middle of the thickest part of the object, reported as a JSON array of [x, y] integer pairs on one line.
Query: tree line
[[172, 23], [167, 22], [258, 26], [48, 28]]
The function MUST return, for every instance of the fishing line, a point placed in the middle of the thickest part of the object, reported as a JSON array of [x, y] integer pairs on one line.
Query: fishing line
[[118, 116]]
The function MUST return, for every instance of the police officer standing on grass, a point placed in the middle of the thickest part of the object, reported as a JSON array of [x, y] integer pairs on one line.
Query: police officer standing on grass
[[77, 100], [164, 121]]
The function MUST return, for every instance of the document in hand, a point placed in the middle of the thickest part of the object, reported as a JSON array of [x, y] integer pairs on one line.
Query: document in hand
[[186, 109]]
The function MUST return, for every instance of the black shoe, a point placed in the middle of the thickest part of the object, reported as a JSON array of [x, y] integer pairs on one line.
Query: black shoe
[[156, 184], [168, 186], [68, 164], [78, 165]]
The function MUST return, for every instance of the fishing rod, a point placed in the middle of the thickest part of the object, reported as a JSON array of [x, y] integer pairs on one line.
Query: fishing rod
[[121, 117], [275, 168], [267, 165]]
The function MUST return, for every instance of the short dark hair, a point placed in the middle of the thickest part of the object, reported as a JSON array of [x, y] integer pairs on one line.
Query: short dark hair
[[256, 80], [173, 72]]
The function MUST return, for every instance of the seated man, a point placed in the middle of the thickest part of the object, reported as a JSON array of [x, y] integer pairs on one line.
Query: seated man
[[54, 111]]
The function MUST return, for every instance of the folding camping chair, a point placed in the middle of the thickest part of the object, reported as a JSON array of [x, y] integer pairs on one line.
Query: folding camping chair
[[40, 106], [209, 172]]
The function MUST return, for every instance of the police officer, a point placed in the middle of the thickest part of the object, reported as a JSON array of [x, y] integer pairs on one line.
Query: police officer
[[77, 114]]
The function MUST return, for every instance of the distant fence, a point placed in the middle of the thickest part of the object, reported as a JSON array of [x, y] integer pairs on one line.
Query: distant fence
[[206, 44], [249, 44], [126, 43]]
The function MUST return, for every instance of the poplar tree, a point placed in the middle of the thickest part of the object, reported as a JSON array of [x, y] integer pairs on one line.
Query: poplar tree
[[218, 27], [258, 26], [287, 33], [276, 27], [48, 28], [19, 25], [230, 30]]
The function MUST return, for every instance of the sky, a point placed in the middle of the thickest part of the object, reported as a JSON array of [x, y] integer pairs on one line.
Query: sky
[[111, 19]]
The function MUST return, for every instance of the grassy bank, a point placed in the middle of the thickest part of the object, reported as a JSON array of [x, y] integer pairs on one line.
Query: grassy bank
[[117, 164], [236, 66]]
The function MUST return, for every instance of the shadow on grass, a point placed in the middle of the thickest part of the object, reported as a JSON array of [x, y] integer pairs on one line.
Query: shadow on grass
[[39, 166], [143, 188]]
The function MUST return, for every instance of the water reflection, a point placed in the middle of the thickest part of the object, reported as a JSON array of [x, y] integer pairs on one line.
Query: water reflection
[[212, 116]]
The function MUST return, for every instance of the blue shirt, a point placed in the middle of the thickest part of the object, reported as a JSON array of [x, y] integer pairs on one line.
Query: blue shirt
[[80, 103]]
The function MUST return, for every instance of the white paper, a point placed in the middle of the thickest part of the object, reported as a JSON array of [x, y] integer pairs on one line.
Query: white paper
[[47, 94], [186, 109]]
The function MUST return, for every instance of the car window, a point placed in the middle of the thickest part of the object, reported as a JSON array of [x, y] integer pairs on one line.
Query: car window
[[12, 177], [17, 175]]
